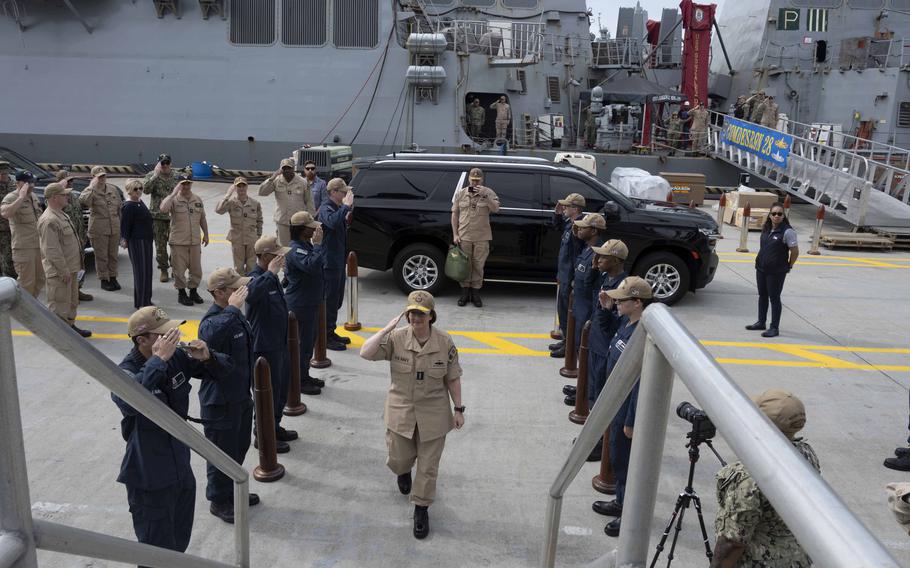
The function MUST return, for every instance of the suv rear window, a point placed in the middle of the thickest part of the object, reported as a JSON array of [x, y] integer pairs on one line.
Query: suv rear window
[[396, 184], [561, 186]]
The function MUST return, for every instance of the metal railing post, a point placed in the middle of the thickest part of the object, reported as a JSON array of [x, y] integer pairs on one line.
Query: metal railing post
[[619, 385], [647, 441], [15, 501]]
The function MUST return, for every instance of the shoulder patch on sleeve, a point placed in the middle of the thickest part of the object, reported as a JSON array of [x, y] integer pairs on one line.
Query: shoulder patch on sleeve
[[453, 353]]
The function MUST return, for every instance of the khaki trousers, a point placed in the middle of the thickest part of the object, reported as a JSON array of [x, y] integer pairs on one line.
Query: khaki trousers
[[63, 298], [186, 258], [27, 263], [502, 127], [478, 253], [403, 452], [244, 258], [284, 235], [105, 255]]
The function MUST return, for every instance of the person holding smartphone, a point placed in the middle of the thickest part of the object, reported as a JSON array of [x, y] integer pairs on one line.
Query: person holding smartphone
[[425, 376], [471, 208]]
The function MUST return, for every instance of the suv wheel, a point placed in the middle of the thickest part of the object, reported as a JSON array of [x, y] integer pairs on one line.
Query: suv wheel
[[667, 274], [419, 267]]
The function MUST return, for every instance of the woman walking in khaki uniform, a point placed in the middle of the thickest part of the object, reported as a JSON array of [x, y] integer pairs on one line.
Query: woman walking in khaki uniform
[[425, 375]]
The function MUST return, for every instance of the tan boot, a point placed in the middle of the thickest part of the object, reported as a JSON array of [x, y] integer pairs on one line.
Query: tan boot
[[164, 276]]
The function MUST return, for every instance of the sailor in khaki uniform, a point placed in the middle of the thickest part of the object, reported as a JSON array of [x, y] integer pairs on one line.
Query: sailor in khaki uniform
[[21, 209], [60, 248], [425, 375], [187, 222], [292, 194], [104, 201], [246, 224], [471, 208]]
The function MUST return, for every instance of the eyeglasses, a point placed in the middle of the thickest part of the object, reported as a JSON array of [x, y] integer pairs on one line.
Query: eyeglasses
[[777, 214], [309, 168]]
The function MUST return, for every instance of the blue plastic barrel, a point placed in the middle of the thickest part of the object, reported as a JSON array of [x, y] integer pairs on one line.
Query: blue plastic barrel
[[201, 170]]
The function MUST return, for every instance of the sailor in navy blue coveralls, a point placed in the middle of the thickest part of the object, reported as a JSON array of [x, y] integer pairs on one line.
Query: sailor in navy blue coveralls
[[609, 260], [226, 401], [583, 285], [332, 214], [267, 312], [160, 486], [631, 297], [305, 291], [567, 211]]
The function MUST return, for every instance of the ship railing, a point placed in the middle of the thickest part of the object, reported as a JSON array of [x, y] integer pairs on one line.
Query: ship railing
[[21, 535], [621, 53], [662, 140], [864, 53], [496, 39], [660, 347]]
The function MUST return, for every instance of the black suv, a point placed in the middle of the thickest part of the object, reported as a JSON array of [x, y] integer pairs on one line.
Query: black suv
[[403, 212]]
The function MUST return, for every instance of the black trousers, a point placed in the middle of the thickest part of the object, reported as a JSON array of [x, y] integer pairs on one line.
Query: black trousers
[[281, 378], [597, 376], [334, 297], [164, 517], [307, 325], [141, 258], [228, 426], [562, 307], [770, 287], [620, 452]]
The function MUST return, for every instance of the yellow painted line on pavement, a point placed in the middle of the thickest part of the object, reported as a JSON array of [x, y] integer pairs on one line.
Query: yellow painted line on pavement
[[824, 260], [500, 343]]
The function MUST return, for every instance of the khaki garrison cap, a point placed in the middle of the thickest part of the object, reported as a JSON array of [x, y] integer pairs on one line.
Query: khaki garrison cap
[[783, 409], [304, 218], [227, 278], [421, 301], [151, 319], [632, 287], [595, 220], [573, 199], [54, 189], [613, 247], [268, 244]]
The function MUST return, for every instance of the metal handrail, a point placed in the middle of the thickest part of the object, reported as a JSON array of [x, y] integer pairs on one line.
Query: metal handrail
[[14, 497], [661, 346]]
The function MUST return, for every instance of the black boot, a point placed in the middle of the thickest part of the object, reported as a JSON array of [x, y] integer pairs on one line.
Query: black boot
[[115, 284], [318, 382], [309, 387], [465, 297], [107, 286], [475, 299], [195, 297], [404, 483], [224, 511], [421, 522], [183, 298]]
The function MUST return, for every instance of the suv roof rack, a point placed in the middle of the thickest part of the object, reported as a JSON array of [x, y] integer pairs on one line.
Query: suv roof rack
[[469, 158]]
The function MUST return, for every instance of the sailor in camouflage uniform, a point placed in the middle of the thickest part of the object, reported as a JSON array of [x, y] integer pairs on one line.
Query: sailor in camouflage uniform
[[750, 533], [159, 183], [7, 185]]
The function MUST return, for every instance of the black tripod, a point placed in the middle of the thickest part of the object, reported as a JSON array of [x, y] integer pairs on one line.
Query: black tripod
[[687, 497]]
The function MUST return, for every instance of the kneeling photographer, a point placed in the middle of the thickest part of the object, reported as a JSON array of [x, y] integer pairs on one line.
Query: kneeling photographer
[[749, 530]]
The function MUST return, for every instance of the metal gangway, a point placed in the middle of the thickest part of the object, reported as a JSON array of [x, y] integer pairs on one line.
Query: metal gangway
[[864, 183], [20, 534], [659, 348]]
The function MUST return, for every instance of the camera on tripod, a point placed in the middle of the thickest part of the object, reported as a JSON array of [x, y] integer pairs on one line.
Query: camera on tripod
[[702, 427]]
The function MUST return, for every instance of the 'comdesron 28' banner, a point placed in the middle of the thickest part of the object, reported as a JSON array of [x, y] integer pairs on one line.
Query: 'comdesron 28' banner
[[765, 143]]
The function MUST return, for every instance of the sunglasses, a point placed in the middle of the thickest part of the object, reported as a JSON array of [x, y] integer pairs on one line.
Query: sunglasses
[[309, 168], [778, 214]]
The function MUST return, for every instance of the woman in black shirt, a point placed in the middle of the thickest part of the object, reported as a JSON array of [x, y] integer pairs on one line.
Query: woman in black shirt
[[136, 236], [777, 255]]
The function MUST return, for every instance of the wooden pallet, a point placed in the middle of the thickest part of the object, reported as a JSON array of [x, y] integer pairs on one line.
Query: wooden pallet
[[857, 240]]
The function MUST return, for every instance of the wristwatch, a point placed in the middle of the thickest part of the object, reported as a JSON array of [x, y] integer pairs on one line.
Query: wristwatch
[[459, 409]]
